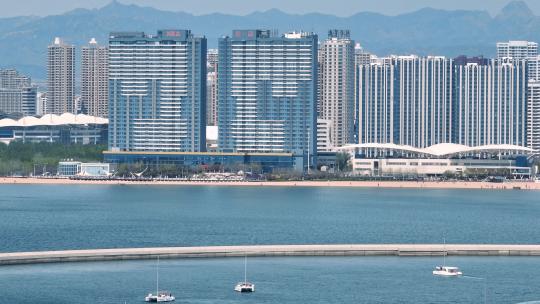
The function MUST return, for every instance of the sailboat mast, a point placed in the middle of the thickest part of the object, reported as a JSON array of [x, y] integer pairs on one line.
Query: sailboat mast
[[245, 268], [157, 277], [444, 253]]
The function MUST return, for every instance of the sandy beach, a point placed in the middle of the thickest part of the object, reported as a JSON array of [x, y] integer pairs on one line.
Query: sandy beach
[[509, 185]]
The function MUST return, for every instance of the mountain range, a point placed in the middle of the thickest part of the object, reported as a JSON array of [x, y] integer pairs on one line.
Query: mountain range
[[24, 40]]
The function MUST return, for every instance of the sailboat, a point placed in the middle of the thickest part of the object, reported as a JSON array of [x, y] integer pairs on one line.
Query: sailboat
[[446, 271], [245, 286], [160, 296]]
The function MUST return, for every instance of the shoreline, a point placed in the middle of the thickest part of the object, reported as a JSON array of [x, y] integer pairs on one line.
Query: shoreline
[[509, 185], [365, 250]]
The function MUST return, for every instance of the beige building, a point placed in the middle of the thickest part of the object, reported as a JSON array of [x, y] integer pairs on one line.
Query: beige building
[[336, 91], [94, 79], [60, 78]]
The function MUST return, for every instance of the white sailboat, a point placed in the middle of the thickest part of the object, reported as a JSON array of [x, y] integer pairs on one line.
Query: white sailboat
[[160, 296], [446, 271], [245, 286]]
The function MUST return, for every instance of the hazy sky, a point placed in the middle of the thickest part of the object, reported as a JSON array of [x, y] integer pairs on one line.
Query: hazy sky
[[239, 7]]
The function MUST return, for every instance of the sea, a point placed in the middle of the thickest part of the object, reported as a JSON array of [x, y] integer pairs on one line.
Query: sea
[[58, 217]]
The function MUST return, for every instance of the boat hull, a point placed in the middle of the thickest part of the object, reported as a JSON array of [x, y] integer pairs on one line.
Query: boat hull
[[446, 274], [159, 299], [244, 288]]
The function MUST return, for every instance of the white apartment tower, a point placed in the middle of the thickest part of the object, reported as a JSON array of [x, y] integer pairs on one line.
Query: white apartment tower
[[60, 78], [533, 115], [529, 51], [336, 92], [517, 49], [95, 79]]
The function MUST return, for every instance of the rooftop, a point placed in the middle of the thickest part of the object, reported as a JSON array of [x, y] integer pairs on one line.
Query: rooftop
[[53, 120], [442, 150]]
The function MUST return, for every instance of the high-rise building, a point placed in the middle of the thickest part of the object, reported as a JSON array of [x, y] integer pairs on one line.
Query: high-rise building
[[212, 60], [375, 102], [324, 135], [361, 57], [267, 93], [533, 67], [41, 103], [527, 50], [61, 78], [405, 100], [17, 95], [211, 99], [490, 105], [423, 98], [533, 115], [517, 49], [336, 91], [423, 101], [157, 91], [533, 105], [94, 79], [211, 85]]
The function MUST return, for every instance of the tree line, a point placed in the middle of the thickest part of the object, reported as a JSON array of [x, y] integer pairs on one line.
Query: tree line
[[20, 158]]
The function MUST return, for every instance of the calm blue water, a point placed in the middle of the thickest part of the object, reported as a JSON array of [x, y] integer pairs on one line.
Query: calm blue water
[[70, 217], [278, 280], [45, 217]]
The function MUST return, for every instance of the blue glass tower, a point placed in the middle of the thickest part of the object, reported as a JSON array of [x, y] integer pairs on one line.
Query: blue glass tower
[[267, 93], [157, 91]]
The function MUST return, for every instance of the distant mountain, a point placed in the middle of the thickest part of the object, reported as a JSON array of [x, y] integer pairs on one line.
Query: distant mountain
[[24, 40]]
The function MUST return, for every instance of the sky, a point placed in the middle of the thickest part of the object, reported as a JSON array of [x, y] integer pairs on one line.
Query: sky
[[240, 7]]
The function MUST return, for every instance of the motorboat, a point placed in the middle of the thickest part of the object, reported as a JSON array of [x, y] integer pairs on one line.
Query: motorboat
[[447, 271], [162, 296], [245, 286]]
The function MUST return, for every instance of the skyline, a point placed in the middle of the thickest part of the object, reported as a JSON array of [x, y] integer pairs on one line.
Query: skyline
[[341, 8]]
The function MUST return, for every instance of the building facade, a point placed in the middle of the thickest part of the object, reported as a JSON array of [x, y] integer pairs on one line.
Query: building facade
[[517, 49], [66, 129], [267, 93], [336, 91], [405, 100], [60, 78], [423, 101], [361, 56], [41, 103], [17, 95], [211, 99], [324, 135], [211, 84], [533, 115], [490, 105], [157, 91], [94, 79], [375, 102], [267, 162]]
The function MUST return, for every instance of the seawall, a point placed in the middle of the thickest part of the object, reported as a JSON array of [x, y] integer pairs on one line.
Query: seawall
[[406, 250]]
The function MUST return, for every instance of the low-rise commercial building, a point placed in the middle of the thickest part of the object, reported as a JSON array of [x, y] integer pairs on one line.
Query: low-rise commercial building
[[76, 168], [263, 162], [66, 128], [375, 159]]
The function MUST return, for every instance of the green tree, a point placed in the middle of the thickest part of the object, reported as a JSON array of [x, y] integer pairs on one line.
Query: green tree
[[343, 161]]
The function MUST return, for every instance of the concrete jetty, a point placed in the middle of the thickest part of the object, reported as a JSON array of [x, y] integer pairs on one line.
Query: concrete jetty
[[405, 250]]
